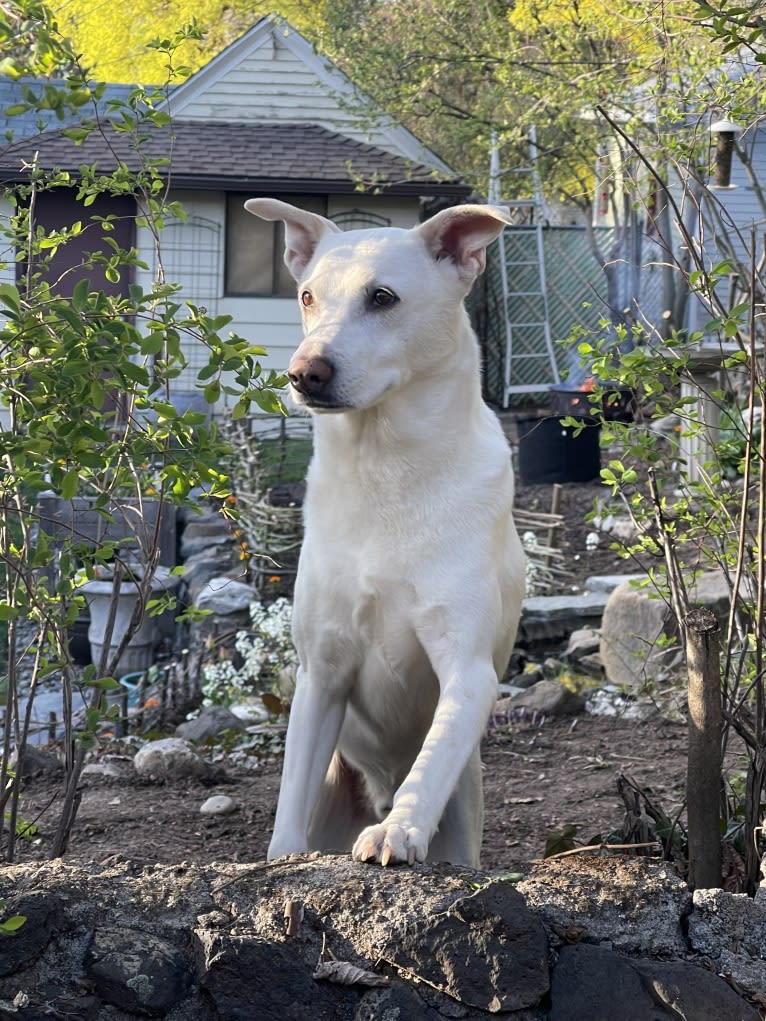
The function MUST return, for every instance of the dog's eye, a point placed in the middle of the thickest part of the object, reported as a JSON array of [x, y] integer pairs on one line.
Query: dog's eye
[[383, 298], [307, 299]]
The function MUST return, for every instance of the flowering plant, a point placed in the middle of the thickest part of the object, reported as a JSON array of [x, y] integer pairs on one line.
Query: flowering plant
[[268, 658]]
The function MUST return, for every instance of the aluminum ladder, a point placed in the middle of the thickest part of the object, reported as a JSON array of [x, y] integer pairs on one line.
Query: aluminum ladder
[[530, 357]]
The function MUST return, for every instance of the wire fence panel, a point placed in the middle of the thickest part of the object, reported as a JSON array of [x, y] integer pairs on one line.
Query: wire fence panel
[[576, 290]]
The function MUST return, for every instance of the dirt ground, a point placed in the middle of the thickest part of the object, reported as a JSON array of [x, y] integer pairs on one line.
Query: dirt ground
[[538, 780]]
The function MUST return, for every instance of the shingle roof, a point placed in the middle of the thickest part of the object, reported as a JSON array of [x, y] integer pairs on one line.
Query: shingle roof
[[30, 122], [238, 156]]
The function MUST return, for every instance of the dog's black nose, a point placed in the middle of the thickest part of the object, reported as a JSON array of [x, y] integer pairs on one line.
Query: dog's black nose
[[310, 376]]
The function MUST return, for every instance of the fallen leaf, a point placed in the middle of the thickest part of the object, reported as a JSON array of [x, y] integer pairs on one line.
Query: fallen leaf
[[347, 974]]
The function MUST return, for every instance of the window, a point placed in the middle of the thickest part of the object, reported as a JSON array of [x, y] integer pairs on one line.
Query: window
[[255, 248], [71, 262]]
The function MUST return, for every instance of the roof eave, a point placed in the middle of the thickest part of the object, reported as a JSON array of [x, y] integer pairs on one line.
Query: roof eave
[[294, 186]]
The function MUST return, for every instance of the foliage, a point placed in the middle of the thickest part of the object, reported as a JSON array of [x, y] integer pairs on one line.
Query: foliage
[[119, 42], [267, 656], [88, 374], [706, 513], [9, 926]]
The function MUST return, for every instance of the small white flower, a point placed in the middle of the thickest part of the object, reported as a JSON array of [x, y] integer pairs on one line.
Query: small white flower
[[592, 540]]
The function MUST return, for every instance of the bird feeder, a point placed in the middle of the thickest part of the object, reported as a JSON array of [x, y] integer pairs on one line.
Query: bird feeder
[[724, 132]]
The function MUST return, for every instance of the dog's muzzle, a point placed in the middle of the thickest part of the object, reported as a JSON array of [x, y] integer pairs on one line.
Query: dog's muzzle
[[312, 377]]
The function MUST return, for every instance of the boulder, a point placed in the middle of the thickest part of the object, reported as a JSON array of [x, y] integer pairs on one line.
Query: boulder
[[730, 929], [170, 758], [587, 894], [212, 721], [638, 628], [224, 596], [635, 631], [549, 698]]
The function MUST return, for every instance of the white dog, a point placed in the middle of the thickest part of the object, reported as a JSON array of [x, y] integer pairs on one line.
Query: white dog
[[411, 575]]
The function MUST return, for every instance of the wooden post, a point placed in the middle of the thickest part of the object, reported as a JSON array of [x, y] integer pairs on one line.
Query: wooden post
[[141, 698], [703, 777], [123, 720], [553, 528]]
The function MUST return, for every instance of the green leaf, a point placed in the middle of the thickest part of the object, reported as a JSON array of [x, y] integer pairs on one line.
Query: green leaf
[[80, 294], [70, 483], [12, 924], [8, 612], [212, 391]]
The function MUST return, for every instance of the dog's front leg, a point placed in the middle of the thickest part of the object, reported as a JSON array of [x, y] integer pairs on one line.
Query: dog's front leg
[[466, 700], [316, 716]]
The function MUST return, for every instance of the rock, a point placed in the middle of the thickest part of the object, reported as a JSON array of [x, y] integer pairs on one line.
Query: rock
[[691, 991], [224, 596], [633, 628], [170, 758], [524, 680], [109, 770], [731, 930], [609, 582], [206, 533], [624, 530], [37, 761], [592, 892], [251, 978], [200, 569], [219, 804], [582, 642], [547, 697], [43, 912], [549, 618], [592, 983], [636, 623], [595, 984], [137, 971], [112, 941], [486, 951], [593, 665], [211, 722]]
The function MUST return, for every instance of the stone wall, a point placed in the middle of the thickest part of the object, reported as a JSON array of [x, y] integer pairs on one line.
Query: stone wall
[[320, 938]]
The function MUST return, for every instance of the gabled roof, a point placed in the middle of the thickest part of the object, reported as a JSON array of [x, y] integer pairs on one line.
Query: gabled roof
[[298, 158], [272, 31]]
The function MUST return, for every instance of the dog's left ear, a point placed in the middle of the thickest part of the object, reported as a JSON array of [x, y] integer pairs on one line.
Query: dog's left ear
[[461, 234], [303, 230]]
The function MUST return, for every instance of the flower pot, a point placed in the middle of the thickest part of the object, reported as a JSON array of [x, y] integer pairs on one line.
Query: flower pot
[[139, 653], [552, 452]]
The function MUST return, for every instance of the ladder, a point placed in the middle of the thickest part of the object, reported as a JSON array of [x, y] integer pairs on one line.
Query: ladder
[[530, 358]]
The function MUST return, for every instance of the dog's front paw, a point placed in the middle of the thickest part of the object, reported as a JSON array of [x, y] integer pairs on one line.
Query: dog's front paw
[[390, 845]]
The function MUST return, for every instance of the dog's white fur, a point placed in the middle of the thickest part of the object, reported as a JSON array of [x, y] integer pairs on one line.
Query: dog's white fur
[[411, 574]]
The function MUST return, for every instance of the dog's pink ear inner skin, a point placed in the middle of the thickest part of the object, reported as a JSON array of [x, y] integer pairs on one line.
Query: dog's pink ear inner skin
[[303, 231], [461, 234]]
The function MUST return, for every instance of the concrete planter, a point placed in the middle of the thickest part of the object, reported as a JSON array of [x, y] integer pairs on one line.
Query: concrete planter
[[139, 653]]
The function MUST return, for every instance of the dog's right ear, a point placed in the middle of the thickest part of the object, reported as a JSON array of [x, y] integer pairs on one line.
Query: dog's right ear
[[303, 230]]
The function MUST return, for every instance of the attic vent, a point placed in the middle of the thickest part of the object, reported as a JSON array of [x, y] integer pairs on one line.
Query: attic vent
[[358, 219]]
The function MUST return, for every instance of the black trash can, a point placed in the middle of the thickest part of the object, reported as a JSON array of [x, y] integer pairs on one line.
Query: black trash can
[[551, 452]]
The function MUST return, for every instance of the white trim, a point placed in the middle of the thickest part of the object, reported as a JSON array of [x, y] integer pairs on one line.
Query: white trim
[[266, 31]]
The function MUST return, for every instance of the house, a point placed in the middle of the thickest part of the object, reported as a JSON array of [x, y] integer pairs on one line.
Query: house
[[267, 116]]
